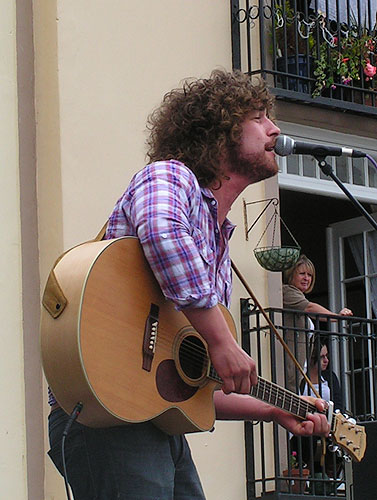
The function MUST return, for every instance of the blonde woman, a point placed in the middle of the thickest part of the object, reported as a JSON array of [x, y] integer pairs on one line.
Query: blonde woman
[[299, 281]]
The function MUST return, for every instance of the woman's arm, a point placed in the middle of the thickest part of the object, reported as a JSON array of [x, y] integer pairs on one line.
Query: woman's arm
[[313, 307]]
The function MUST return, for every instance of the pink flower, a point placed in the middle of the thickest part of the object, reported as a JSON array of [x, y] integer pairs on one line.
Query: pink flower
[[370, 70], [346, 81]]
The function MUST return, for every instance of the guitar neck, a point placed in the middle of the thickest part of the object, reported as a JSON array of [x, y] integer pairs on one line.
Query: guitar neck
[[344, 433], [277, 396], [282, 398]]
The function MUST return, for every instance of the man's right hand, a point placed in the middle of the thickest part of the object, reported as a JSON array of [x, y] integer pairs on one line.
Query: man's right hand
[[233, 365]]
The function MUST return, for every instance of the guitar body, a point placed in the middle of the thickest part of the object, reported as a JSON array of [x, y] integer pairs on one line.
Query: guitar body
[[119, 346], [123, 351]]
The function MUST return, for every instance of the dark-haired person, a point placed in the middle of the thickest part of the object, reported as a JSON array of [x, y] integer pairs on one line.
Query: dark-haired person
[[327, 385], [323, 378], [208, 141], [299, 280]]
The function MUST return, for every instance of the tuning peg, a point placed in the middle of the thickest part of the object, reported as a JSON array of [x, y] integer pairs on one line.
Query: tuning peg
[[347, 458], [333, 448]]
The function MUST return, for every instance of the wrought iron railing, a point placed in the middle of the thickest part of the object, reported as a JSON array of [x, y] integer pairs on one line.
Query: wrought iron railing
[[315, 51], [352, 352]]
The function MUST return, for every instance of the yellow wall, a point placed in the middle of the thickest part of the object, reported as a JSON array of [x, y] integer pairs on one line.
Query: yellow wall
[[12, 408], [100, 68]]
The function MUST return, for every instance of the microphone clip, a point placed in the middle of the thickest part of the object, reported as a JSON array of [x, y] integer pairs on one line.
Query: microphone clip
[[324, 165]]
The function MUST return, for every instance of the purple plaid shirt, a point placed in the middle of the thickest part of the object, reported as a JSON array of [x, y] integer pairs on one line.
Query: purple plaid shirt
[[176, 222]]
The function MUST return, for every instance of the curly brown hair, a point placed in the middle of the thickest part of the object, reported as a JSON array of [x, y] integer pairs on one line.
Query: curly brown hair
[[200, 123]]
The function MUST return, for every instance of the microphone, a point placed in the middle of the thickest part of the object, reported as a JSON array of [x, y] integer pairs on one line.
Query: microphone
[[285, 146]]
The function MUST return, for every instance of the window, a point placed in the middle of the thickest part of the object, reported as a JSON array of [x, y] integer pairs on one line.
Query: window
[[302, 172]]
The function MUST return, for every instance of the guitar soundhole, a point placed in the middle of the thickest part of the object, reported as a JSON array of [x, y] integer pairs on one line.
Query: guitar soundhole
[[193, 357], [169, 384]]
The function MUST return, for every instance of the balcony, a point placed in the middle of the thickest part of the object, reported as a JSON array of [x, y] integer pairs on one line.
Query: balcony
[[315, 52], [352, 352]]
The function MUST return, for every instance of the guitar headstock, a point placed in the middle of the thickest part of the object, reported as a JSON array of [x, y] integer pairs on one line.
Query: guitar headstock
[[349, 436]]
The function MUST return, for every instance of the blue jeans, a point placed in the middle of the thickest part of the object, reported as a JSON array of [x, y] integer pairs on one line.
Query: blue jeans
[[133, 462]]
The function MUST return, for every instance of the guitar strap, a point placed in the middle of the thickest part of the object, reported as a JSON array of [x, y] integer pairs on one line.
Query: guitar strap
[[283, 343], [273, 328]]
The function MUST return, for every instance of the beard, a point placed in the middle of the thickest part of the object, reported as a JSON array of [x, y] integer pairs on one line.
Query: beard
[[254, 166]]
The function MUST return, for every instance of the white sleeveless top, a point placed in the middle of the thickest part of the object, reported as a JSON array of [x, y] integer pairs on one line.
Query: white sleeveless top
[[325, 390]]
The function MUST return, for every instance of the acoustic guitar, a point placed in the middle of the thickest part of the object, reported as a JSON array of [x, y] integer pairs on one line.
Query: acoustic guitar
[[123, 351]]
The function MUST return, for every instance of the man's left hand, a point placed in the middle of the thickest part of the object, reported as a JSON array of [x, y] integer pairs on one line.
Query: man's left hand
[[314, 424]]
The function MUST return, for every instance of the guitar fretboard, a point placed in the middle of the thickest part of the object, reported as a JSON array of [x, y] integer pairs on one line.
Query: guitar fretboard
[[277, 396], [281, 398]]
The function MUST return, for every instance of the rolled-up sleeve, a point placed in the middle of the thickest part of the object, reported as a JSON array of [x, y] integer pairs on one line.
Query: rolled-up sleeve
[[163, 207]]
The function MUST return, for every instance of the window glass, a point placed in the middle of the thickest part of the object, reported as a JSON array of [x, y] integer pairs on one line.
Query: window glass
[[355, 298], [372, 176], [342, 168], [309, 166], [293, 164], [353, 256], [358, 167]]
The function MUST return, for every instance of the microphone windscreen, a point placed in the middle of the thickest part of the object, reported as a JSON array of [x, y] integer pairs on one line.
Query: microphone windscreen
[[284, 145]]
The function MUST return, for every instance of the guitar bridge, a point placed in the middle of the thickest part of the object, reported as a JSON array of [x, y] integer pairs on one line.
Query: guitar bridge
[[150, 337]]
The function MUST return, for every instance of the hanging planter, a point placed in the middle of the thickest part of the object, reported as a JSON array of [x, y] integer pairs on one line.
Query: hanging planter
[[273, 258], [277, 258]]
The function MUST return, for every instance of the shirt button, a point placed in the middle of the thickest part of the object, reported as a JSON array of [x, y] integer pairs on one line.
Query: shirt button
[[164, 235], [213, 202]]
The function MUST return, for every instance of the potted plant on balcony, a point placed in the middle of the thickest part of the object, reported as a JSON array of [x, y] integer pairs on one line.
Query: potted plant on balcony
[[349, 61], [293, 48], [298, 474]]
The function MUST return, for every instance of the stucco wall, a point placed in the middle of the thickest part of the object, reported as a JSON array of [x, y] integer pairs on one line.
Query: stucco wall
[[101, 67], [12, 408]]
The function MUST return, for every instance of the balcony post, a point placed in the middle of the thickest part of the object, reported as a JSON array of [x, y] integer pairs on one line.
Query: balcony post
[[235, 31]]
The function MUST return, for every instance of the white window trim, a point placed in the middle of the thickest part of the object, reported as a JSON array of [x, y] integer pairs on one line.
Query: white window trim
[[326, 186]]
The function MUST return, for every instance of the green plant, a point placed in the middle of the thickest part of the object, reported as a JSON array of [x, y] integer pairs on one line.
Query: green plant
[[344, 61], [293, 460]]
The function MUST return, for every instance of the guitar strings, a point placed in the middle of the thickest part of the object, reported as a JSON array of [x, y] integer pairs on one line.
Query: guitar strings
[[265, 390], [197, 356]]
